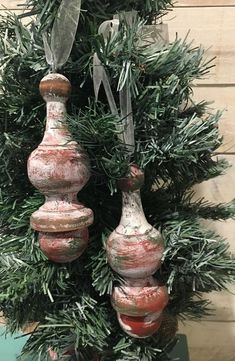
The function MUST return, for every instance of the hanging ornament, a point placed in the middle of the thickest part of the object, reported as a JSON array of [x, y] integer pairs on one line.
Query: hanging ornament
[[59, 168], [134, 250]]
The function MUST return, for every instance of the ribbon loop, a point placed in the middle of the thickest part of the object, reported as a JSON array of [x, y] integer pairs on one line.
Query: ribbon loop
[[108, 29], [63, 34]]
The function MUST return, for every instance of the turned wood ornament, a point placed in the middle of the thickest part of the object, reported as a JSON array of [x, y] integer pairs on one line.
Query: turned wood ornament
[[134, 251], [59, 168]]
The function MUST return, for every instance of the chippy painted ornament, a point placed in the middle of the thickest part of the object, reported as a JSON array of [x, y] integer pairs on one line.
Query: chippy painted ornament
[[135, 250], [59, 168]]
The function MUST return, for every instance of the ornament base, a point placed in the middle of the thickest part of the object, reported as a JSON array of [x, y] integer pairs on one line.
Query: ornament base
[[140, 327], [64, 246]]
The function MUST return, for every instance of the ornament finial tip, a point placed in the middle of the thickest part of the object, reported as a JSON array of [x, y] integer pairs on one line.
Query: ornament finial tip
[[55, 85]]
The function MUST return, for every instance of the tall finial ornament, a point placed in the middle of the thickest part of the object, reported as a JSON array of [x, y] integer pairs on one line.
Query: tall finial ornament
[[59, 168]]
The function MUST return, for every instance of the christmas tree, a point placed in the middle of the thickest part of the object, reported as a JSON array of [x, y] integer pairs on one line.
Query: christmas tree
[[131, 105]]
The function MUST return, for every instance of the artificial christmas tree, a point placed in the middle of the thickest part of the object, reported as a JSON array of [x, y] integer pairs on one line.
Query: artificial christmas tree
[[170, 138]]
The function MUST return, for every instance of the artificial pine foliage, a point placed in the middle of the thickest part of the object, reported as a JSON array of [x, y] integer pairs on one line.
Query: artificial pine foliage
[[175, 140]]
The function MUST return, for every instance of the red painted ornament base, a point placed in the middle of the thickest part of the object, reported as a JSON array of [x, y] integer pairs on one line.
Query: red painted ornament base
[[64, 247], [140, 327]]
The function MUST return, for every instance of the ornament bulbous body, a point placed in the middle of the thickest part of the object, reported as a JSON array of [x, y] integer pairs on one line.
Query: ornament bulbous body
[[60, 170], [59, 174], [135, 248]]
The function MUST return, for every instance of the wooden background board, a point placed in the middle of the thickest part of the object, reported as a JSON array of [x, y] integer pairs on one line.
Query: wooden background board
[[204, 3], [213, 339], [214, 29], [210, 341], [223, 98], [13, 4]]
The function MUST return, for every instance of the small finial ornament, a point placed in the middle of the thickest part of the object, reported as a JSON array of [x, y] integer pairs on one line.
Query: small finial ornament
[[59, 168], [134, 251]]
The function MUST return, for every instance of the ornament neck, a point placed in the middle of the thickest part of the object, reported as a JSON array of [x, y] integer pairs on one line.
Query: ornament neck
[[56, 114], [56, 133], [133, 220]]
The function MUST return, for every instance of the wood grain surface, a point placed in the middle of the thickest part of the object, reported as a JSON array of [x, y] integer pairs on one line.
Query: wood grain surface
[[205, 3], [13, 4], [222, 98], [221, 190], [214, 29], [210, 341]]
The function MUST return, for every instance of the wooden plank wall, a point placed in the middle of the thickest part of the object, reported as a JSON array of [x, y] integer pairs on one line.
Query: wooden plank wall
[[211, 23]]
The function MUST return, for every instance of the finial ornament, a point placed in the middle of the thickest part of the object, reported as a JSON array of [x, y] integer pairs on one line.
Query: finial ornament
[[134, 251], [59, 168]]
